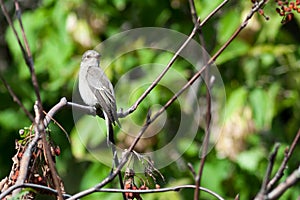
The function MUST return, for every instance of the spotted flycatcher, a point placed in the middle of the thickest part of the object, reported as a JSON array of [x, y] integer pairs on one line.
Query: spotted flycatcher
[[96, 90]]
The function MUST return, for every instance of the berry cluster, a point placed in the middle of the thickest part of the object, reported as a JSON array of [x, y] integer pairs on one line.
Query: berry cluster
[[129, 184], [286, 8]]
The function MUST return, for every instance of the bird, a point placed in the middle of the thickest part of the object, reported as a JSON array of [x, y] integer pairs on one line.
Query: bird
[[96, 90]]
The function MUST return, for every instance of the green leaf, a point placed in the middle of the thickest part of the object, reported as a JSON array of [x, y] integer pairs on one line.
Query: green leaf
[[258, 100], [228, 23], [272, 103], [206, 6], [251, 67], [236, 100], [263, 105], [219, 170], [249, 160]]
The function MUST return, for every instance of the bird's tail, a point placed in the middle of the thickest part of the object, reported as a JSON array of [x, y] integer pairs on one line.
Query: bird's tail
[[111, 142], [110, 136]]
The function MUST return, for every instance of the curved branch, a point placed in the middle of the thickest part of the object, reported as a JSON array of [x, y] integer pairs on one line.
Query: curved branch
[[30, 185], [169, 189]]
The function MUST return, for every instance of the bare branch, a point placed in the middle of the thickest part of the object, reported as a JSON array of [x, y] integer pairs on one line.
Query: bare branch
[[175, 189], [193, 11], [280, 171], [263, 190], [208, 99], [237, 197], [171, 100], [169, 65], [28, 58], [40, 130], [24, 163], [281, 188], [191, 168], [169, 189], [16, 99], [31, 185]]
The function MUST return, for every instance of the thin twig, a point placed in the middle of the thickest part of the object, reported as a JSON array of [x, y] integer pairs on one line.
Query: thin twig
[[91, 110], [48, 158], [198, 25], [39, 128], [30, 185], [193, 11], [40, 123], [205, 143], [9, 21], [282, 167], [59, 126], [16, 99], [263, 190], [25, 161], [270, 168], [169, 189], [237, 197], [19, 17], [211, 60], [191, 168], [208, 100], [62, 103], [254, 9], [26, 54], [122, 162], [149, 121], [158, 113], [196, 20], [28, 59], [282, 187], [113, 190]]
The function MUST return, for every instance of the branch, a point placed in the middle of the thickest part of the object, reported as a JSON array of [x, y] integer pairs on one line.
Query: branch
[[149, 121], [30, 185], [287, 156], [158, 113], [208, 99], [16, 99], [28, 58], [122, 162], [113, 190], [169, 189], [197, 26], [281, 188], [175, 189], [263, 190], [38, 125], [24, 163]]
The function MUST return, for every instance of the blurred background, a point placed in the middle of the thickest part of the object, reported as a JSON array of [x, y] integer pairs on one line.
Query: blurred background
[[260, 71]]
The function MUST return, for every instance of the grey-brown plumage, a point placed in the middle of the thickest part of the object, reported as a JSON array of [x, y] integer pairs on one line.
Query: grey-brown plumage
[[95, 88]]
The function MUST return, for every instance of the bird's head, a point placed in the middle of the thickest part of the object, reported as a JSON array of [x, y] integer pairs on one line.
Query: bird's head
[[91, 55]]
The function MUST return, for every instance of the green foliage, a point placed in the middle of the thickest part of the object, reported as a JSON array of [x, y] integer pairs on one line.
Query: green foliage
[[260, 70]]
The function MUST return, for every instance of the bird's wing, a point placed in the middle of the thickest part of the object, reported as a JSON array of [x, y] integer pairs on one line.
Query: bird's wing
[[103, 90]]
